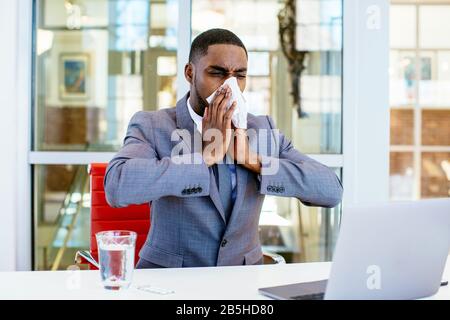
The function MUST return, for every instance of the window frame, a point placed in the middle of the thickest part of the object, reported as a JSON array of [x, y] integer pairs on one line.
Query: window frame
[[417, 148]]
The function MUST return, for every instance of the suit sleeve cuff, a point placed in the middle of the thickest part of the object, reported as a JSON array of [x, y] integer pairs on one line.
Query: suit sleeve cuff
[[271, 183], [194, 173]]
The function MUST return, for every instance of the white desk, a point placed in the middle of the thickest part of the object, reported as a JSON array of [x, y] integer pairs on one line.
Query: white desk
[[190, 283]]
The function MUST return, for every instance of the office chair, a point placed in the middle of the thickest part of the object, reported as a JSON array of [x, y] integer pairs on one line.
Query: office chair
[[132, 218]]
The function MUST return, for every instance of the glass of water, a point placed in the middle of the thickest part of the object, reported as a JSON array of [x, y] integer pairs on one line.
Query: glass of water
[[116, 258]]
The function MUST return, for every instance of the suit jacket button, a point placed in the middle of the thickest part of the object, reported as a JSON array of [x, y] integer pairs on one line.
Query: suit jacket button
[[199, 189], [282, 189], [269, 188], [183, 192], [224, 242], [189, 191]]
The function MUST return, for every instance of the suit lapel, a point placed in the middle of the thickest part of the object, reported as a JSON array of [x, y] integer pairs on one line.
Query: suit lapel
[[241, 181], [215, 196], [184, 121]]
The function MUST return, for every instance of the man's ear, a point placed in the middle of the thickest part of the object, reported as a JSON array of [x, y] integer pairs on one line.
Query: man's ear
[[189, 72]]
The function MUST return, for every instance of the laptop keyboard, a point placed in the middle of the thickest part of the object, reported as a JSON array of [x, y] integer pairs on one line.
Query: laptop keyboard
[[313, 296]]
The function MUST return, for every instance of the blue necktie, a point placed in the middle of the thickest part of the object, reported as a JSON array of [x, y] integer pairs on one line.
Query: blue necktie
[[227, 194]]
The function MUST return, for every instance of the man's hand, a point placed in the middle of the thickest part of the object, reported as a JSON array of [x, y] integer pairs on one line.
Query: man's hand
[[242, 153], [216, 127]]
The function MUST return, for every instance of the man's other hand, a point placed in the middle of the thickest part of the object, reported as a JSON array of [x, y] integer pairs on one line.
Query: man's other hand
[[216, 127]]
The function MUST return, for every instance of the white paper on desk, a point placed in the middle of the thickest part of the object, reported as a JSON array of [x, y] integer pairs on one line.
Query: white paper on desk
[[239, 117]]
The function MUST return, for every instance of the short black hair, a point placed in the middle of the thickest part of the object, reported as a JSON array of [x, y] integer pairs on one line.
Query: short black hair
[[210, 37]]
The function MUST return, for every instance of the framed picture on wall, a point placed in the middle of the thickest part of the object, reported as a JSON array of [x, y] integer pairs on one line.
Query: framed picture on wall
[[74, 75]]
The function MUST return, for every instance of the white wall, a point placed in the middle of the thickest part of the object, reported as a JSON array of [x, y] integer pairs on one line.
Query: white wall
[[8, 101], [15, 213], [366, 101]]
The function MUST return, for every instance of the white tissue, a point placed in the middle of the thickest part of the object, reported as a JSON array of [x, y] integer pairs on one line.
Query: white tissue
[[239, 117]]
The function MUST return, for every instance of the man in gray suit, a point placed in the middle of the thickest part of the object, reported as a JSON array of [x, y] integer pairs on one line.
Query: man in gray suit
[[205, 212]]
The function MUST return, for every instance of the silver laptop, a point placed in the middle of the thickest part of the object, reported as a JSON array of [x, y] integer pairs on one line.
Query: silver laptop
[[396, 250]]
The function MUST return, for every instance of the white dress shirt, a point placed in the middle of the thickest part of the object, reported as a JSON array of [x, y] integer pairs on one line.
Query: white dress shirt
[[195, 117]]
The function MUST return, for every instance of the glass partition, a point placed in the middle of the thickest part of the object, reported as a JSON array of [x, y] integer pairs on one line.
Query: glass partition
[[98, 62], [420, 100]]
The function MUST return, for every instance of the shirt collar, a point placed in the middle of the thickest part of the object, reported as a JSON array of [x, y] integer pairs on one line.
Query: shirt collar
[[195, 117]]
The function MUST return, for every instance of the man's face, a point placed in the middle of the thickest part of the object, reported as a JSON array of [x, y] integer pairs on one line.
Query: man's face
[[210, 71]]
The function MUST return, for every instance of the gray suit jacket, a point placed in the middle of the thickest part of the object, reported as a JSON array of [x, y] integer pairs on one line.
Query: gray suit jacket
[[188, 226]]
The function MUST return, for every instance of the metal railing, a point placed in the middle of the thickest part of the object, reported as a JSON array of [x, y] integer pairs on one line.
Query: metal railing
[[68, 216]]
